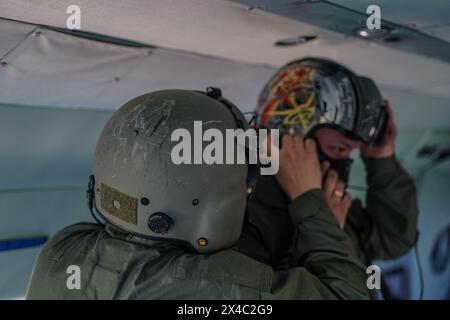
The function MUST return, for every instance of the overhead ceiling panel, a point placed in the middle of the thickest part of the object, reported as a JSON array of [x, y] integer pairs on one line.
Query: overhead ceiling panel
[[81, 73], [347, 16], [230, 30], [426, 16], [12, 34]]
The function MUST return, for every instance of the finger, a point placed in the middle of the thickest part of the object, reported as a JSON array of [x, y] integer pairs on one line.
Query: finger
[[340, 189], [389, 109], [391, 123], [330, 183], [338, 192], [298, 142], [324, 166], [287, 142], [346, 202], [285, 162], [310, 146], [344, 207]]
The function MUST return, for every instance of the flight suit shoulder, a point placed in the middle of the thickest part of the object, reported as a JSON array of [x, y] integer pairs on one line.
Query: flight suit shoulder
[[227, 267], [63, 240]]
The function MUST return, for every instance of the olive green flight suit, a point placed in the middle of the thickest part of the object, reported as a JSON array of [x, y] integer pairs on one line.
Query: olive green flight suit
[[117, 265], [384, 229]]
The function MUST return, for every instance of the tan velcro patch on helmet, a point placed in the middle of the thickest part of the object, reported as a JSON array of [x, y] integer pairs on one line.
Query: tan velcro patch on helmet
[[119, 204]]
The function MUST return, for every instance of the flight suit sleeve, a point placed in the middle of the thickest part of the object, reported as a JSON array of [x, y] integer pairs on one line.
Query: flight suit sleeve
[[319, 264], [386, 227]]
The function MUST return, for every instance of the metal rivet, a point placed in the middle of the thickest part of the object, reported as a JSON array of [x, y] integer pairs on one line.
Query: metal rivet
[[195, 202], [145, 201], [3, 64], [116, 79], [202, 242], [116, 204], [37, 34], [135, 133], [149, 52]]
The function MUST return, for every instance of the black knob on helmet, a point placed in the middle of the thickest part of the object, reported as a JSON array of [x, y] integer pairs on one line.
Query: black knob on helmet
[[160, 223]]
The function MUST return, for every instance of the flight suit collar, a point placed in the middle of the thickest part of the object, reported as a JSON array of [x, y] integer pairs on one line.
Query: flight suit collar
[[269, 192], [116, 232]]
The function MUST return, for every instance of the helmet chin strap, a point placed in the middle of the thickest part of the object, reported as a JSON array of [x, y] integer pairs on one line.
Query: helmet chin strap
[[341, 166]]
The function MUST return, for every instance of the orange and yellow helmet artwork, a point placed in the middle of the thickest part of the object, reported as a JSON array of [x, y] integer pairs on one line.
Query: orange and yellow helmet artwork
[[292, 100], [310, 93]]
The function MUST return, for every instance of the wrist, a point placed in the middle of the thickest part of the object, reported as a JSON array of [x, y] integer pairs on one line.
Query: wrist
[[293, 195], [381, 169], [306, 204]]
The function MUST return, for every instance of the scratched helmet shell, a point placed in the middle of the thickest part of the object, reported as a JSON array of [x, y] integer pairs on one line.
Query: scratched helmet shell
[[138, 187], [310, 93]]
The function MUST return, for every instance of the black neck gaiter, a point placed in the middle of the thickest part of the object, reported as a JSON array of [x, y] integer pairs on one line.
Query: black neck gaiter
[[341, 166]]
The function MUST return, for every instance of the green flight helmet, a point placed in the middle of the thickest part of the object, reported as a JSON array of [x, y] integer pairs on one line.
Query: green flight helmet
[[137, 187]]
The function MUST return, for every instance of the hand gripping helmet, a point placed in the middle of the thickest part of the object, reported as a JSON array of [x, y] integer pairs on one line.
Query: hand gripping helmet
[[311, 93], [136, 186]]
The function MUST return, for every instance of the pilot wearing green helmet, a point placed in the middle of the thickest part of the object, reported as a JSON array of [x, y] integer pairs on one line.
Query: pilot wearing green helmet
[[171, 230]]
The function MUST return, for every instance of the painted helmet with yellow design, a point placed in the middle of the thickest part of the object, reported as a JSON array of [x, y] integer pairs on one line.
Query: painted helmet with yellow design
[[310, 93]]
